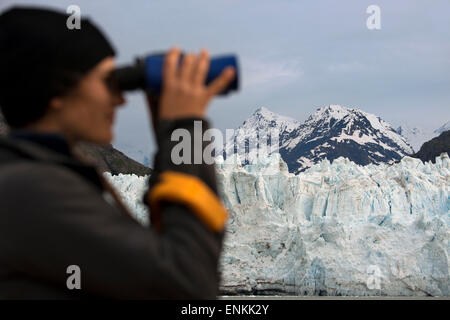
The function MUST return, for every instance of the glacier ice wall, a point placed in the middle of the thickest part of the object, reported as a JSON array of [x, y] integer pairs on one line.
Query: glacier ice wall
[[335, 229], [131, 189]]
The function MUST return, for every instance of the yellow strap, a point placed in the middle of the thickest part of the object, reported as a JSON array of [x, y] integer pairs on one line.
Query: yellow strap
[[192, 192]]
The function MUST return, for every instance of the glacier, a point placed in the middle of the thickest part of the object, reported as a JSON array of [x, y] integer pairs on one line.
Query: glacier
[[335, 229]]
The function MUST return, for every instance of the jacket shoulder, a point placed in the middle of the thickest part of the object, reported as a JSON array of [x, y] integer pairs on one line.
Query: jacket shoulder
[[32, 176]]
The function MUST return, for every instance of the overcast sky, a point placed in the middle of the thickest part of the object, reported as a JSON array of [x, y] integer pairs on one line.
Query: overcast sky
[[295, 56]]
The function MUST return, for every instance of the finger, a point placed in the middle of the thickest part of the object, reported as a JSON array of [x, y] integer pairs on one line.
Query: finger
[[221, 82], [186, 67], [201, 68], [171, 64]]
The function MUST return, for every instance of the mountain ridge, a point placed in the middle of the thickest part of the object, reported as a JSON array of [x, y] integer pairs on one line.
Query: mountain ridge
[[330, 132], [418, 135], [435, 147]]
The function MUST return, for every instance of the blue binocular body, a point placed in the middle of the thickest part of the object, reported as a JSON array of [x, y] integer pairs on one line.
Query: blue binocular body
[[147, 73]]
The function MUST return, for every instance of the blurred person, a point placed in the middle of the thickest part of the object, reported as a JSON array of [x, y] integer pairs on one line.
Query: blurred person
[[57, 90]]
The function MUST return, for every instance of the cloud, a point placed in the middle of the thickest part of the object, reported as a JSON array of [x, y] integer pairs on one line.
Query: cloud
[[259, 71], [345, 67]]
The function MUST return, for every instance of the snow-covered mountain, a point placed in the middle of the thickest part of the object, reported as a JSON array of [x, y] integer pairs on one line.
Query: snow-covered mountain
[[335, 229], [416, 136], [331, 132], [261, 124], [444, 127]]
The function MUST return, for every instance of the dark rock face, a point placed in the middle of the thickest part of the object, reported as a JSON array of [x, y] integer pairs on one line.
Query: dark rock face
[[105, 157], [433, 148], [109, 159]]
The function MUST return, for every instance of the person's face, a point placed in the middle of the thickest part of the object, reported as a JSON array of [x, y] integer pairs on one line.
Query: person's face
[[87, 113]]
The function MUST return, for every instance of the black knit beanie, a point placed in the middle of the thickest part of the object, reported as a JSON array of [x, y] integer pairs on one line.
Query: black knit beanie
[[40, 58]]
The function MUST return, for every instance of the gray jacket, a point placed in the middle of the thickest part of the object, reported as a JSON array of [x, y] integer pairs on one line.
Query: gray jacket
[[54, 214]]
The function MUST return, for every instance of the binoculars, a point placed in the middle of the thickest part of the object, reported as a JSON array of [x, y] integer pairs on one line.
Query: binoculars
[[147, 73]]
